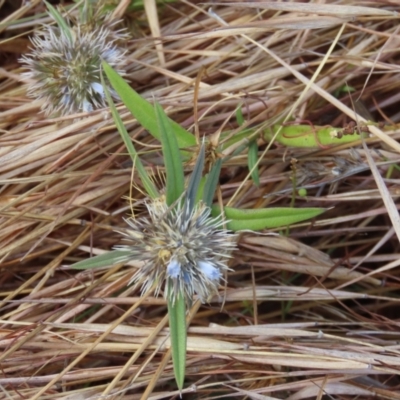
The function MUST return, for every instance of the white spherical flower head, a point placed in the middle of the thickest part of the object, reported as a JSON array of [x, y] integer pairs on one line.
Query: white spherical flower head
[[66, 68], [188, 250]]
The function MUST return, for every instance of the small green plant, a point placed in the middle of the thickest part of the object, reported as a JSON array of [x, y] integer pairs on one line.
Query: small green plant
[[183, 243]]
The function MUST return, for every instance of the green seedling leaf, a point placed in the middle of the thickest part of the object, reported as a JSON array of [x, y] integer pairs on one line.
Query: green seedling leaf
[[195, 179], [103, 260], [239, 116], [144, 111], [147, 182], [211, 183], [252, 162], [172, 157], [177, 326], [62, 24], [264, 218]]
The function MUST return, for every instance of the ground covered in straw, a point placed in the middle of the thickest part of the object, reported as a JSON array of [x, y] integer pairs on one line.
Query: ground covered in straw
[[312, 313]]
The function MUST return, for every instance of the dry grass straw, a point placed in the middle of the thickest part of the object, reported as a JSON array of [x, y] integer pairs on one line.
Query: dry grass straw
[[309, 315]]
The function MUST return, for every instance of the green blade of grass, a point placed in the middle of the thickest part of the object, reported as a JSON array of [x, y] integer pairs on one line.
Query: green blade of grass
[[211, 183], [172, 158], [265, 217], [177, 326], [147, 182], [175, 185], [62, 24], [252, 160], [102, 260], [143, 111], [239, 116]]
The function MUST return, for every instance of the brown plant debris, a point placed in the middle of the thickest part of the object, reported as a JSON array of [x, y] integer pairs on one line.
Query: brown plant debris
[[311, 313]]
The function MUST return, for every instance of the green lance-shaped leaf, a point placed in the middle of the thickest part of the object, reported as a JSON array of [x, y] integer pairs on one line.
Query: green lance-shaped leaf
[[211, 183], [174, 189], [178, 332], [264, 218], [144, 111], [62, 24], [103, 260], [239, 116], [147, 182], [252, 160], [172, 157]]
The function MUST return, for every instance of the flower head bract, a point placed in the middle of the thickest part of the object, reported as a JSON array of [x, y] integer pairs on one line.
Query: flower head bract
[[180, 245]]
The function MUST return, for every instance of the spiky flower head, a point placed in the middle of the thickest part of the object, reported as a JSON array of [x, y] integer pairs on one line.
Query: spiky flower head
[[184, 247], [65, 65]]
